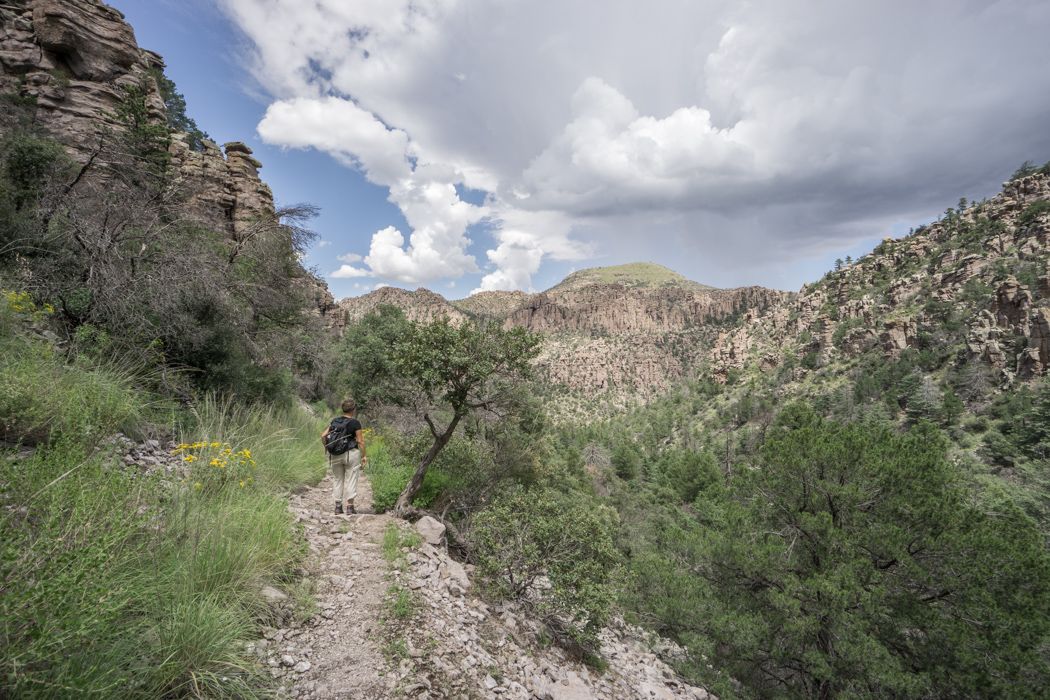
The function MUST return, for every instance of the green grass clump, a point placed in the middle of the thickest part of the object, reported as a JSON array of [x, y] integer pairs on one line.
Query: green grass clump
[[43, 397], [116, 583], [395, 539], [400, 602], [391, 467]]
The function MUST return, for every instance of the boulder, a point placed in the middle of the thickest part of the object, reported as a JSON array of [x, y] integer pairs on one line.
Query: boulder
[[860, 341], [897, 334], [92, 39], [457, 573], [1011, 306], [431, 530], [271, 594], [572, 688]]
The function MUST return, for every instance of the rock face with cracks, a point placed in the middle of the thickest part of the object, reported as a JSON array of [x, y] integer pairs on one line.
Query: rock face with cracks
[[73, 59]]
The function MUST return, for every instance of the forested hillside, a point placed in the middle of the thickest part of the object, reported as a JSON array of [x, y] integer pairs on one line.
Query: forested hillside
[[837, 494]]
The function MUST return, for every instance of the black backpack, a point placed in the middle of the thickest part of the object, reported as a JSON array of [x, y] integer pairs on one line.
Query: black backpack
[[339, 439]]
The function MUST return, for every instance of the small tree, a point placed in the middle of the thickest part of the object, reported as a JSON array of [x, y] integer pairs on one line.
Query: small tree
[[363, 363], [144, 140], [175, 106], [1026, 169], [472, 367]]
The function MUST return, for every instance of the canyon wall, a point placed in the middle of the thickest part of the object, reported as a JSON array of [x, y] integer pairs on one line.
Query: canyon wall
[[69, 62]]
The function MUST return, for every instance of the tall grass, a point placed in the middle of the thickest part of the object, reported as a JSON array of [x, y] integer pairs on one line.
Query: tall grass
[[287, 439], [119, 584]]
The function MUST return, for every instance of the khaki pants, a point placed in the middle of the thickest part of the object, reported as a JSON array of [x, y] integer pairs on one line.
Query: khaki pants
[[345, 468]]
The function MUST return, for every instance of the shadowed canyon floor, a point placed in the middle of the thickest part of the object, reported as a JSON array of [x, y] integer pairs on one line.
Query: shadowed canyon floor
[[452, 645]]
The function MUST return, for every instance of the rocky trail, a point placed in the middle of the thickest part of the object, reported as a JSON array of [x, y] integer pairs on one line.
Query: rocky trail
[[450, 644]]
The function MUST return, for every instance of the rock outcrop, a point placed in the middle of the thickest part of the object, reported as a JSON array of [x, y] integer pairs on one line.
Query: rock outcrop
[[490, 305], [616, 309], [420, 305], [898, 297], [70, 62]]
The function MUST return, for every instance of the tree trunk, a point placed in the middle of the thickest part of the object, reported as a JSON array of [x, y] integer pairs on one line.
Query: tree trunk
[[403, 508]]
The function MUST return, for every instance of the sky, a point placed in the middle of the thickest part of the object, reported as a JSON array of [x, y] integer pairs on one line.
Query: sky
[[474, 145]]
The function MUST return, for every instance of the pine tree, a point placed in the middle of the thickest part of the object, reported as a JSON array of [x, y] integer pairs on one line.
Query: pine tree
[[850, 563]]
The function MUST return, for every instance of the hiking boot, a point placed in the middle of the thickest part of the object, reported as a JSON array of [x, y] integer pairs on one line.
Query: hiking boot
[[350, 510], [339, 508]]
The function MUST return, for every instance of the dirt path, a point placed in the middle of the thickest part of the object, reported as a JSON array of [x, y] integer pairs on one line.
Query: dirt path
[[450, 645], [338, 653]]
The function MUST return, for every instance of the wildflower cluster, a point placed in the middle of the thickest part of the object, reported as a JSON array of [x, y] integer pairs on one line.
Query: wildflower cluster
[[370, 437], [223, 465], [22, 303]]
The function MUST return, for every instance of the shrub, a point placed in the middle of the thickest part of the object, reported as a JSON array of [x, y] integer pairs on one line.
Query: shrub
[[30, 164], [625, 461], [1033, 211], [689, 473], [555, 552]]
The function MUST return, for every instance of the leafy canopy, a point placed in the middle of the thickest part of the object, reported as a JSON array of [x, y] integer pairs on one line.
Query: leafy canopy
[[464, 368], [850, 563], [175, 106], [468, 366]]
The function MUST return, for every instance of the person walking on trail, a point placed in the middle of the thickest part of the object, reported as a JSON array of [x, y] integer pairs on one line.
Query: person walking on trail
[[345, 448]]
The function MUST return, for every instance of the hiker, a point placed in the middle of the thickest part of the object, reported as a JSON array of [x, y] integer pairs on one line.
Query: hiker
[[346, 453]]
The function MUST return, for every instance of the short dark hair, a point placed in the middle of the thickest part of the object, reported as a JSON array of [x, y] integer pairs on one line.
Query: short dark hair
[[349, 405]]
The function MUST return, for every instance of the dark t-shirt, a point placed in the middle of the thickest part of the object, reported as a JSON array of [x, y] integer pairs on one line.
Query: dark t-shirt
[[353, 426]]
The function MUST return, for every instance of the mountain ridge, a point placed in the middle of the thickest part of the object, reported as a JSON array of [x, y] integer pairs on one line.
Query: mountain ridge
[[631, 275], [632, 341]]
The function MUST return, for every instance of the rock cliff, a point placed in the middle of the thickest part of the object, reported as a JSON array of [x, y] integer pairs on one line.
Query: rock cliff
[[617, 309], [71, 60], [420, 305]]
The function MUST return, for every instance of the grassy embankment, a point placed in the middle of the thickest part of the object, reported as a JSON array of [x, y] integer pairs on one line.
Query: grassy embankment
[[117, 583]]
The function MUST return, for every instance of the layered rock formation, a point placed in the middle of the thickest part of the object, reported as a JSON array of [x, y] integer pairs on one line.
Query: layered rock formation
[[71, 61], [601, 336], [420, 305]]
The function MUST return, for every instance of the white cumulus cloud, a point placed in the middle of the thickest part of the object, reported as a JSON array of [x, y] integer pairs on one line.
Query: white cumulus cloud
[[727, 135], [348, 272]]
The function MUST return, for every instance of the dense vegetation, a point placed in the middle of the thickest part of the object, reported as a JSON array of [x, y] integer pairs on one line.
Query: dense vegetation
[[886, 537], [120, 315], [118, 582], [107, 246]]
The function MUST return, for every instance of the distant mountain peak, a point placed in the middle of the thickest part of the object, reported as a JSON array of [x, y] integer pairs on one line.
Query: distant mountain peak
[[632, 275]]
